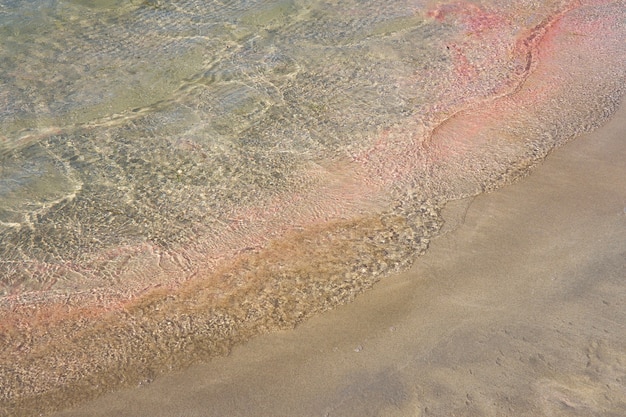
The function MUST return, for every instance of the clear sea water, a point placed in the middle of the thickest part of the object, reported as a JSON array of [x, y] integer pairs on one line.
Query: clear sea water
[[177, 176]]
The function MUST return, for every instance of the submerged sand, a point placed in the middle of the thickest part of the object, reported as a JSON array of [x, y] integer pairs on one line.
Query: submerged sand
[[517, 309]]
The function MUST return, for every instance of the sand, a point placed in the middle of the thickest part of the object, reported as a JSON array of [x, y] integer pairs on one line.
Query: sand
[[517, 309]]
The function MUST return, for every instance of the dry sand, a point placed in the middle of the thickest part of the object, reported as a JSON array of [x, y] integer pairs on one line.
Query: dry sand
[[518, 309]]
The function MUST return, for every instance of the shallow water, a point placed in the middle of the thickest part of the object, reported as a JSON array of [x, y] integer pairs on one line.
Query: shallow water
[[178, 176]]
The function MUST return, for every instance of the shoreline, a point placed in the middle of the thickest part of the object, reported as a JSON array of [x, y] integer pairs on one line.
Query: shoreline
[[515, 309], [306, 271]]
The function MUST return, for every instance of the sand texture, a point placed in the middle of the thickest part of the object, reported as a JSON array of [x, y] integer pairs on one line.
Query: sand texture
[[517, 309]]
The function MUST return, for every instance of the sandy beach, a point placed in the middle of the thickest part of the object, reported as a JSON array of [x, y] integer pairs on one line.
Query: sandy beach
[[183, 184], [517, 309]]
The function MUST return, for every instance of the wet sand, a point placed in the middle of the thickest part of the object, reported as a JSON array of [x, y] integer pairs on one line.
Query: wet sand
[[517, 309]]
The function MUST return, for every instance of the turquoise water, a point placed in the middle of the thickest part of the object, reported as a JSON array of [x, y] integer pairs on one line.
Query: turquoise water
[[159, 123], [272, 157]]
